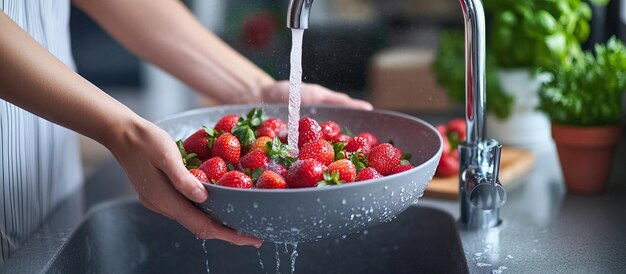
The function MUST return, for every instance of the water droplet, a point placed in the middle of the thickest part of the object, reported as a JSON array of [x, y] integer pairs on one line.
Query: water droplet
[[343, 201], [255, 205]]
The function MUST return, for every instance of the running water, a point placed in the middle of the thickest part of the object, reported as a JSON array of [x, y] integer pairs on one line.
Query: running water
[[277, 260], [294, 255], [206, 261], [295, 80], [258, 252]]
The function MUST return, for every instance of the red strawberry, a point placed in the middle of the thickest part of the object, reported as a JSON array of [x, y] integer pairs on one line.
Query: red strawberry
[[309, 130], [272, 127], [200, 175], [384, 158], [342, 138], [319, 150], [305, 173], [368, 173], [261, 144], [442, 130], [235, 179], [200, 143], [278, 168], [270, 179], [401, 168], [359, 142], [458, 127], [448, 166], [227, 147], [345, 168], [330, 130], [371, 138], [227, 123], [254, 159], [214, 168]]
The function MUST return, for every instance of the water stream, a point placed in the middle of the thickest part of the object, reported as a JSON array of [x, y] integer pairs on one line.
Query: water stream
[[295, 80]]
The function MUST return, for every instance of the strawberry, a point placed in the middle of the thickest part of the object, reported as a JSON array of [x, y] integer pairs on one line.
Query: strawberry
[[254, 159], [214, 168], [448, 166], [278, 168], [261, 143], [342, 138], [330, 130], [319, 150], [384, 158], [345, 168], [371, 138], [272, 127], [309, 130], [200, 142], [359, 142], [305, 173], [227, 123], [401, 168], [457, 127], [227, 147], [270, 179], [368, 173], [190, 160], [236, 179], [200, 175], [442, 130]]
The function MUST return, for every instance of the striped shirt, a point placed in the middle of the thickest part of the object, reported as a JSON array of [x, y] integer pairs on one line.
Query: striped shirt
[[39, 161]]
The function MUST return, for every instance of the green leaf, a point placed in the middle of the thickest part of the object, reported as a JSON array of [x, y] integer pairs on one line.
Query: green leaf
[[256, 174], [230, 167]]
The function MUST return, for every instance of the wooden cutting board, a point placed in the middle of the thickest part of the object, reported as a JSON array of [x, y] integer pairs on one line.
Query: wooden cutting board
[[514, 164]]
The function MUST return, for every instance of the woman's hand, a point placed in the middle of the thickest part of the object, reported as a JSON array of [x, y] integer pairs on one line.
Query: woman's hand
[[153, 163], [311, 94]]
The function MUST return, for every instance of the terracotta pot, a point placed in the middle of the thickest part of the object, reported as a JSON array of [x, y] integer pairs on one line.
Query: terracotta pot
[[586, 155]]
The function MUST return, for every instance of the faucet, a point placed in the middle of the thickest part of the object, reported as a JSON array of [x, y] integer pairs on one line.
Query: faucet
[[481, 194]]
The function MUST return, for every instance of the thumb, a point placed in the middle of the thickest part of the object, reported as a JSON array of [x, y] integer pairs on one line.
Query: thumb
[[183, 180]]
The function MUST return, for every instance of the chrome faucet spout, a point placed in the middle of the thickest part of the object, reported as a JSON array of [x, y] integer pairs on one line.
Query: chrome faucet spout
[[475, 95], [298, 14], [481, 194]]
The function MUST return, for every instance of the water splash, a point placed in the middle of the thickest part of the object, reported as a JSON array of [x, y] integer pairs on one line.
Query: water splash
[[277, 259], [294, 256], [258, 252], [206, 261], [295, 80]]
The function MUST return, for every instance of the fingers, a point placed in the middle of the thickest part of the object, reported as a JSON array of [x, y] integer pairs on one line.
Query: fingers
[[182, 180], [320, 94], [200, 224]]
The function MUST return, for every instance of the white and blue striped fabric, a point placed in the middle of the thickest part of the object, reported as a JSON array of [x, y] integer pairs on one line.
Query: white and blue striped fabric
[[39, 161]]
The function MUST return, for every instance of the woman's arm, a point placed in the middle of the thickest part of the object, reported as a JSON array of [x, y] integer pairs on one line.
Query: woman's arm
[[33, 79], [165, 33]]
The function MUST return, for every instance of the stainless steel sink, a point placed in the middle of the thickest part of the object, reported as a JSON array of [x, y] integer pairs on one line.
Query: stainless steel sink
[[124, 237]]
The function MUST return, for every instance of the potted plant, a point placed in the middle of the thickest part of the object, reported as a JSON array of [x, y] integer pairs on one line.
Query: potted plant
[[584, 103], [525, 36]]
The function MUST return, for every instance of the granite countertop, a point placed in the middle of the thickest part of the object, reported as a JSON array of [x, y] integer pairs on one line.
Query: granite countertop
[[544, 229]]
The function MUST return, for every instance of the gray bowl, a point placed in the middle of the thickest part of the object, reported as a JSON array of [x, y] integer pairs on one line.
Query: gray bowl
[[308, 214]]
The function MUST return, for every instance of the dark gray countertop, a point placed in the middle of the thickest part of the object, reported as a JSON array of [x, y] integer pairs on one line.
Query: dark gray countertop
[[544, 229]]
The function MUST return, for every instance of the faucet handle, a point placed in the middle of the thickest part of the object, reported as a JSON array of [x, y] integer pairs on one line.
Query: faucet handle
[[490, 195]]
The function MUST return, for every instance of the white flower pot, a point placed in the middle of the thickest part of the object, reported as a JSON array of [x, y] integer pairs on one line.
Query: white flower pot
[[526, 127]]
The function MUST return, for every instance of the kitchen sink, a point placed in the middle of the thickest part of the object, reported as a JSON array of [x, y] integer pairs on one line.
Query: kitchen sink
[[123, 237]]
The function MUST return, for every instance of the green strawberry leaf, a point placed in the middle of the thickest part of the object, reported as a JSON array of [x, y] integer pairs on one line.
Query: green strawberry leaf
[[245, 128], [406, 159], [359, 161], [256, 174], [280, 152], [190, 160], [339, 148], [230, 167]]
